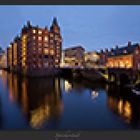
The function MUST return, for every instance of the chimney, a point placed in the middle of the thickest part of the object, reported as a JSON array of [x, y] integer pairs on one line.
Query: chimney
[[101, 51], [106, 50], [129, 43], [111, 49], [46, 28], [116, 47]]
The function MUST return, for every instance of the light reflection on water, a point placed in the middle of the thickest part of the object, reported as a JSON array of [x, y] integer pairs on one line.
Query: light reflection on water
[[44, 104]]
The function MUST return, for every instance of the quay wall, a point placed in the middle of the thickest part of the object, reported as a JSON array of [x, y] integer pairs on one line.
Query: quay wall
[[92, 75], [42, 72]]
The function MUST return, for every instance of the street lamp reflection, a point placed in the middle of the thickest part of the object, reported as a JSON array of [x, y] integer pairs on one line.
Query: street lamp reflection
[[67, 86], [94, 94]]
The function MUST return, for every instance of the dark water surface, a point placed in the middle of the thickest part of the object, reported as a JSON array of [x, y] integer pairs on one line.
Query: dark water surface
[[58, 103]]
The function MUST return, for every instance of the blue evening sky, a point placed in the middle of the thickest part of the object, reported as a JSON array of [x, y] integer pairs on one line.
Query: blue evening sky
[[94, 27]]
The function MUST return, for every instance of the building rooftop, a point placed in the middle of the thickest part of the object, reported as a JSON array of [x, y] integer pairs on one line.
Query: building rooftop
[[74, 48], [124, 50]]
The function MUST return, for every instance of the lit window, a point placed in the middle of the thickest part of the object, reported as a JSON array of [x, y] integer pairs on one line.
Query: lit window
[[46, 51], [34, 31], [125, 51], [46, 38], [122, 64], [39, 32], [39, 38], [52, 52], [24, 37]]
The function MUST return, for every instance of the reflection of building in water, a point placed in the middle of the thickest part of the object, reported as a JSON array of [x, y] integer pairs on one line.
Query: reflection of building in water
[[3, 76], [12, 82], [121, 107], [40, 99], [24, 97], [10, 86], [48, 102], [67, 86]]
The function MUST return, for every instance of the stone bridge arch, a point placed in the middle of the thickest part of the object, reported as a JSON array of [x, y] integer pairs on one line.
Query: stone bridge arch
[[120, 76]]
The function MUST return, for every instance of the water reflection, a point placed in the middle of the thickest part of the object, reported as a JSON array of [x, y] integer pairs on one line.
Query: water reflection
[[94, 94], [122, 108], [40, 99], [123, 103], [3, 75], [67, 86], [44, 103]]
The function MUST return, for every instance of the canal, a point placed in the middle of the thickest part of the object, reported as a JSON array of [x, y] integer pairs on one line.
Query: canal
[[65, 104]]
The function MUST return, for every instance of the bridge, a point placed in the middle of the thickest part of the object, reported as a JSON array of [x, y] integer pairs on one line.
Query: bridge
[[122, 76], [118, 76]]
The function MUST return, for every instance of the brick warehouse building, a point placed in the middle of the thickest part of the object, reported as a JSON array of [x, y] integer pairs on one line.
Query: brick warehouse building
[[122, 57], [35, 49], [2, 58]]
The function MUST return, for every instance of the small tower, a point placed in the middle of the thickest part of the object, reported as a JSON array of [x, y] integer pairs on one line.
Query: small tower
[[28, 24], [54, 27], [55, 21]]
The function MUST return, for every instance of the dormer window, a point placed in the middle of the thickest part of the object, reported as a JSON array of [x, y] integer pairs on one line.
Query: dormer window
[[125, 51]]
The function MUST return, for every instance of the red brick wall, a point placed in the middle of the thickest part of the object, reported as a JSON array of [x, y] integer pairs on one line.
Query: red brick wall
[[136, 59]]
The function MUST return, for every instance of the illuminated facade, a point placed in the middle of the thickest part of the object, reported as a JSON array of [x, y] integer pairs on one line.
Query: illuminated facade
[[123, 57], [91, 59], [9, 57], [36, 48], [2, 58], [74, 57]]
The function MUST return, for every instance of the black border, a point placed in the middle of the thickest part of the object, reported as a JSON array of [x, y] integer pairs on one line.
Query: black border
[[69, 2], [83, 135]]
